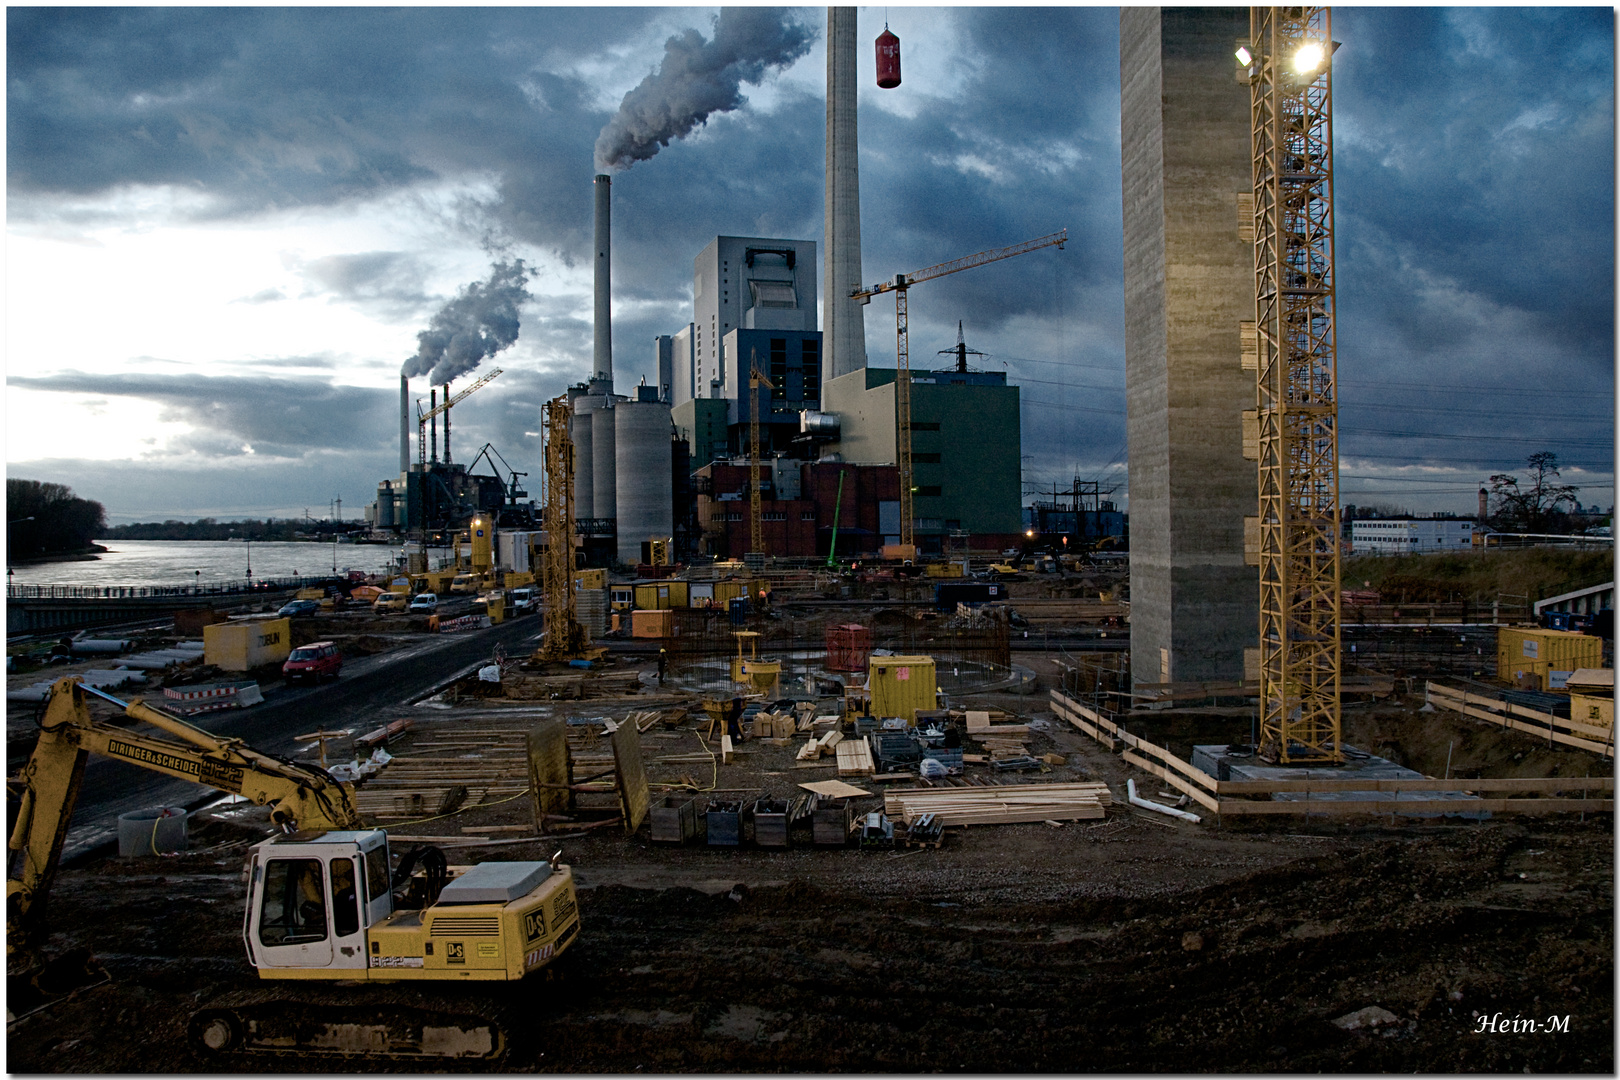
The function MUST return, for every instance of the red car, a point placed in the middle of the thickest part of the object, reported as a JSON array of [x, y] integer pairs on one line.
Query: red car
[[314, 662]]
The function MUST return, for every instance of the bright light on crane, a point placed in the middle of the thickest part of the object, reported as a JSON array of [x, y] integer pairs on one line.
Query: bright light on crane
[[1309, 58]]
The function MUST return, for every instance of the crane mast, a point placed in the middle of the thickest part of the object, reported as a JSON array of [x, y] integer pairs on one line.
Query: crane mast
[[1289, 62], [902, 355]]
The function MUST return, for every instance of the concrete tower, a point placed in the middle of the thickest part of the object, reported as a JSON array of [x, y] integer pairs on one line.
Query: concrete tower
[[1189, 284], [843, 321]]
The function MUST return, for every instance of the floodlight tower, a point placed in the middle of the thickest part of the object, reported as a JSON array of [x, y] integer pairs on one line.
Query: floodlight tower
[[1288, 59]]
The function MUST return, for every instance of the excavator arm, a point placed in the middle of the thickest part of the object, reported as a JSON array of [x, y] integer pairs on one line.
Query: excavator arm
[[47, 788]]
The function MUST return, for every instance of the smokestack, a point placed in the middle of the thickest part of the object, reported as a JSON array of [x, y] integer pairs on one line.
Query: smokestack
[[844, 320], [404, 424], [1484, 502], [604, 280], [433, 403], [447, 423]]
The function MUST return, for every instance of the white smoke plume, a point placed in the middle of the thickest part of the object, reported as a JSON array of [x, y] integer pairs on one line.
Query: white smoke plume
[[697, 78], [480, 322]]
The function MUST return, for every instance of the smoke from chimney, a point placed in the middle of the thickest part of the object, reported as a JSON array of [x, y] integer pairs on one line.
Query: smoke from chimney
[[698, 78], [480, 322]]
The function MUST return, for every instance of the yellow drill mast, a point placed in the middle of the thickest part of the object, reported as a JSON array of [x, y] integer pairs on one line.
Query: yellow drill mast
[[1289, 62], [564, 637], [902, 353]]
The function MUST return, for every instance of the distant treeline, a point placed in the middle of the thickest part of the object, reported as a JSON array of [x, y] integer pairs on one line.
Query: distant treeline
[[210, 529], [45, 520]]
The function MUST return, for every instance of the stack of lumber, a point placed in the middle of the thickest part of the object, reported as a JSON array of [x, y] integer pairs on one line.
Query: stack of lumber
[[1001, 740], [1001, 804], [1066, 611], [526, 687], [855, 758], [458, 766], [825, 744]]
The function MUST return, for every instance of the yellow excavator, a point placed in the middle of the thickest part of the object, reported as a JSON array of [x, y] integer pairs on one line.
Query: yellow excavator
[[321, 896]]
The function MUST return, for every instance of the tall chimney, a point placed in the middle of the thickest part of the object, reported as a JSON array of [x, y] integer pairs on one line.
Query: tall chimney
[[404, 424], [1484, 504], [433, 403], [447, 423], [604, 281], [844, 320]]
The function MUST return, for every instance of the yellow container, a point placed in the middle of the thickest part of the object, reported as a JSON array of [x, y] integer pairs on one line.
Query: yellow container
[[241, 645], [661, 595], [493, 605], [725, 591], [438, 581], [651, 623], [585, 580], [901, 685], [621, 597], [516, 579], [1523, 650], [1591, 710], [945, 570], [310, 594]]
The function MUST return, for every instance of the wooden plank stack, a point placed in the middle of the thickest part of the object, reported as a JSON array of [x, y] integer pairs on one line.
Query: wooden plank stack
[[1001, 804], [488, 764], [855, 758], [1000, 740]]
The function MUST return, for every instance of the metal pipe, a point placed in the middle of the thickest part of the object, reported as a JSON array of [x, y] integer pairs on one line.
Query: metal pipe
[[1135, 800]]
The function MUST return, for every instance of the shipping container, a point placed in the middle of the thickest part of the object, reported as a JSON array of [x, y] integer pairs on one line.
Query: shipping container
[[652, 624], [244, 644], [849, 647], [700, 594], [1530, 651], [585, 580], [901, 685], [1591, 709], [661, 595]]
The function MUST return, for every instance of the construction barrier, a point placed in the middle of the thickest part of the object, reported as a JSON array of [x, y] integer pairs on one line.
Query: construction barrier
[[1249, 797]]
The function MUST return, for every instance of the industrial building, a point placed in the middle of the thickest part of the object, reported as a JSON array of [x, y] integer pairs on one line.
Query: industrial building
[[1410, 536], [804, 505], [1189, 288]]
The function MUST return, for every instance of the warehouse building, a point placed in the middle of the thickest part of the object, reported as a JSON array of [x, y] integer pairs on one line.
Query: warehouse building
[[1410, 536]]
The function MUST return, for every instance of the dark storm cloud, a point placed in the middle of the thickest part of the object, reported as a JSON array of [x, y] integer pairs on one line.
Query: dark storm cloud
[[1475, 199], [698, 78], [277, 417]]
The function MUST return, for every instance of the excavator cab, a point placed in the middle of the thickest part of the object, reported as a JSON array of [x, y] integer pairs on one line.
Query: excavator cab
[[312, 896]]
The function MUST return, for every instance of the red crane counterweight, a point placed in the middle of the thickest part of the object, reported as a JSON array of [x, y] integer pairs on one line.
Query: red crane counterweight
[[888, 60]]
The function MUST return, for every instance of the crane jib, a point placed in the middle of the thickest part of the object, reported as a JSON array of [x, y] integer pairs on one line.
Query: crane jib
[[213, 773]]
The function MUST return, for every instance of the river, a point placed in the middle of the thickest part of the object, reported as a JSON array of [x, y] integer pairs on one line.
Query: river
[[209, 562]]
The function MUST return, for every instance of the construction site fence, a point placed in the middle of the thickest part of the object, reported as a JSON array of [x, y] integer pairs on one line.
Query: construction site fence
[[1506, 715], [1253, 797]]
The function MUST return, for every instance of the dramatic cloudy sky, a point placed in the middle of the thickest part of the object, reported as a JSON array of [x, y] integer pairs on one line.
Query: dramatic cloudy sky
[[226, 228]]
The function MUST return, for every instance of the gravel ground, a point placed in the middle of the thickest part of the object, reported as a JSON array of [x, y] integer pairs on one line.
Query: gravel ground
[[1128, 944]]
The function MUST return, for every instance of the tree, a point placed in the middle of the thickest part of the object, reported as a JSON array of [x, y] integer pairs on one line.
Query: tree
[[47, 519], [1533, 508]]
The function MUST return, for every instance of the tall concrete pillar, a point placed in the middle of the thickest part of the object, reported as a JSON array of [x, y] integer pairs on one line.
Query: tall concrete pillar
[[843, 321], [1189, 283], [603, 352]]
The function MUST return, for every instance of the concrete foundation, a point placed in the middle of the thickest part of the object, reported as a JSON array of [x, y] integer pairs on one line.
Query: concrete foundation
[[1184, 132], [1222, 763]]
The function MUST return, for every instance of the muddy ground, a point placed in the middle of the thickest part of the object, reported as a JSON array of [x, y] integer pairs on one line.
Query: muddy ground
[[1130, 944]]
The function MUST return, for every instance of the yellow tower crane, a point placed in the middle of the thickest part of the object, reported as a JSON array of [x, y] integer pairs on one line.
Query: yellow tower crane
[[756, 523], [422, 418], [1288, 61], [902, 354]]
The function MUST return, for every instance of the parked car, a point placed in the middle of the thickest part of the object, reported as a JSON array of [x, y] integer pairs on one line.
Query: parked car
[[465, 585], [522, 600], [317, 661], [425, 603], [390, 601], [300, 607]]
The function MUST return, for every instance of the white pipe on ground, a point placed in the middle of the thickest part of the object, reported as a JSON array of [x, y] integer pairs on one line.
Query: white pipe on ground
[[1135, 800]]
